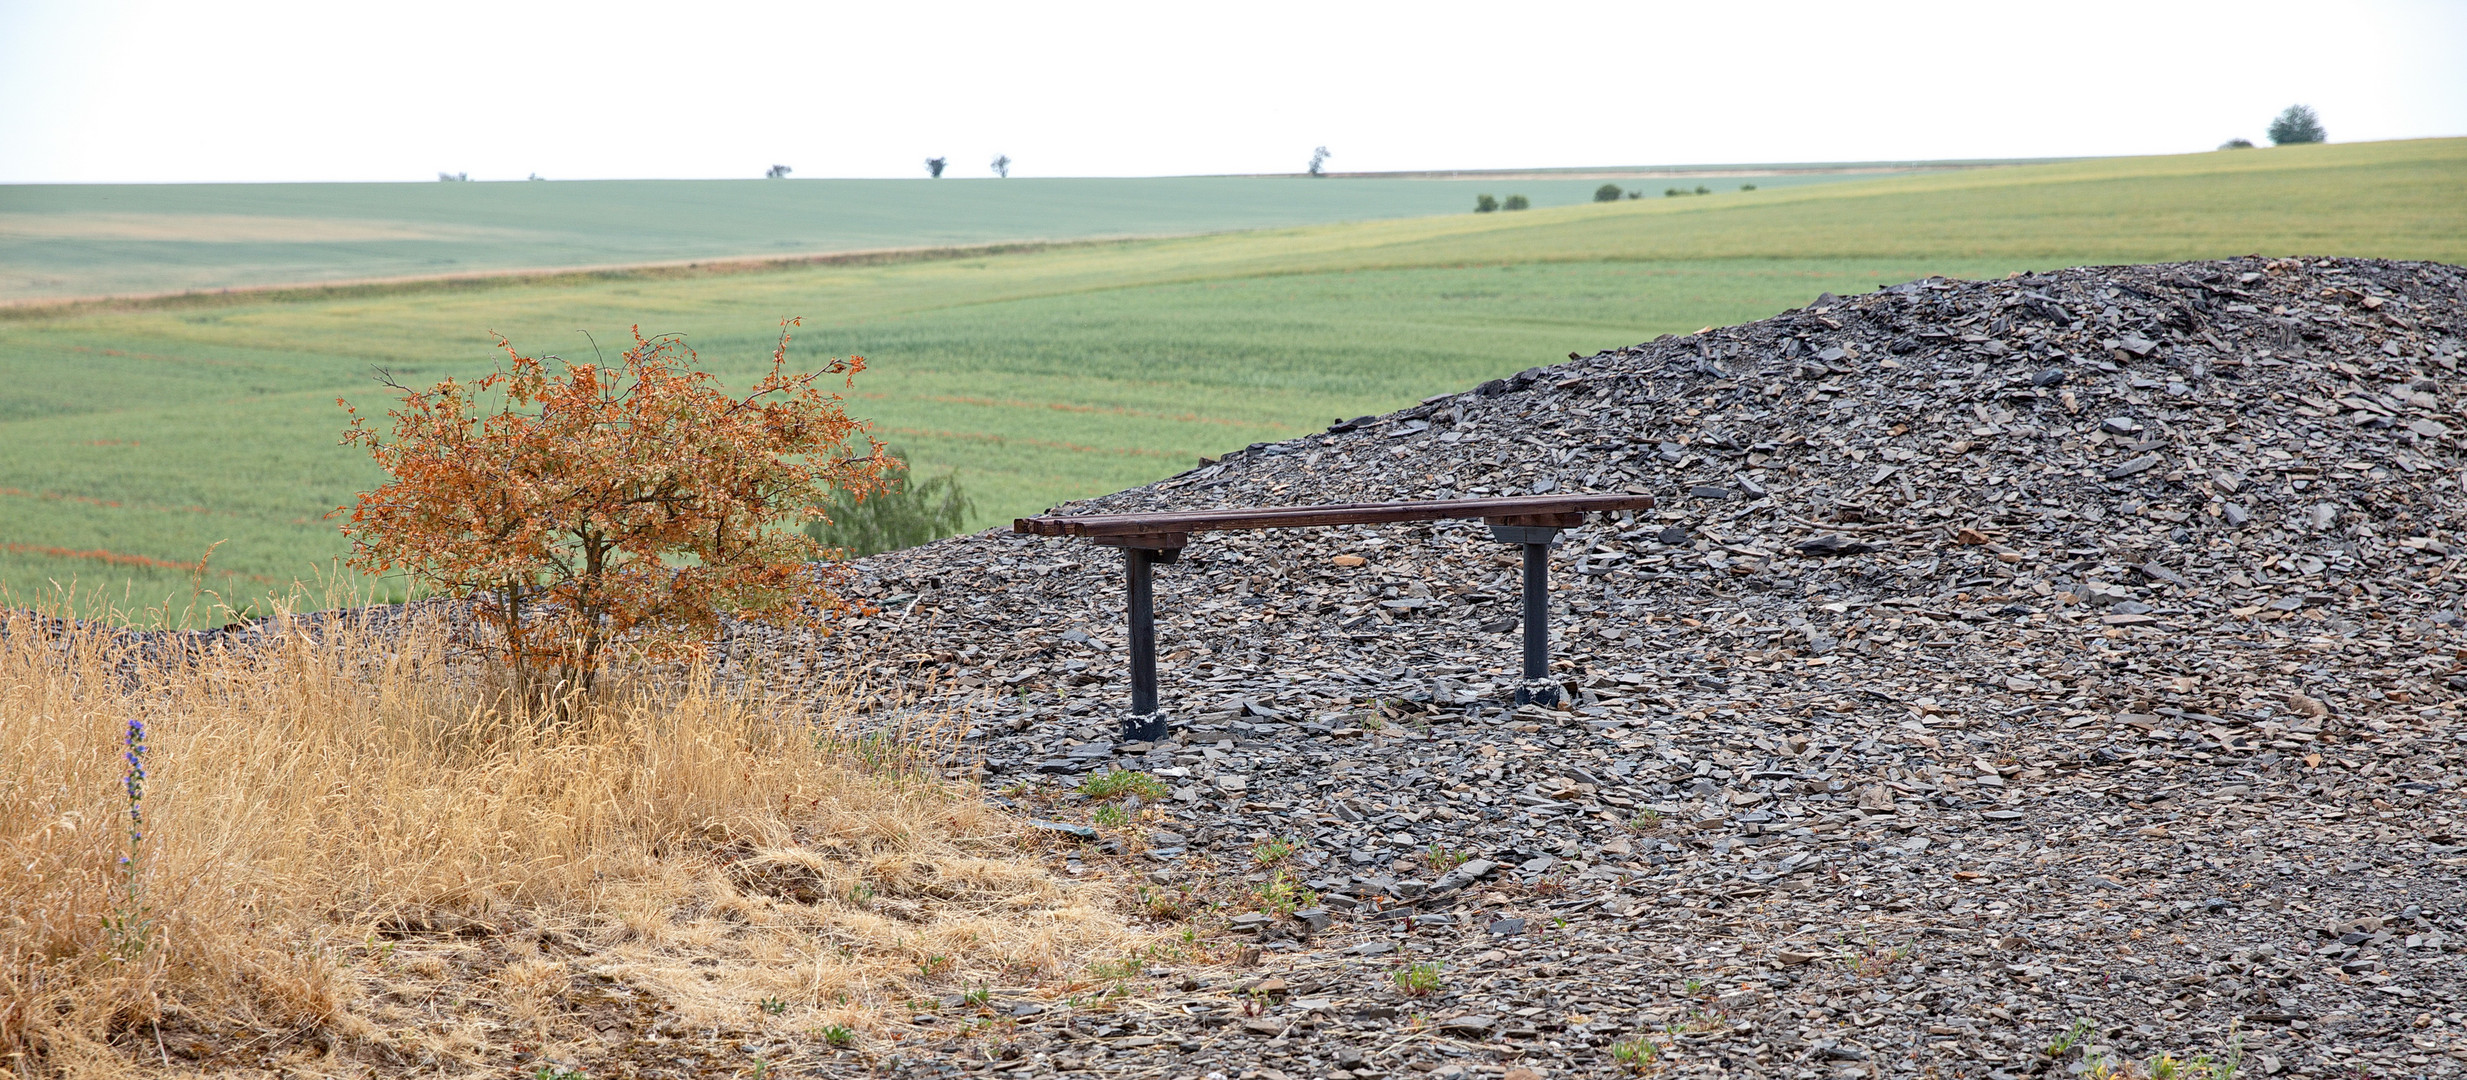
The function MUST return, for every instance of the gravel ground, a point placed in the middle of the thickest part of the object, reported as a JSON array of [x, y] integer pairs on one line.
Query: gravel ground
[[2065, 663], [2019, 678]]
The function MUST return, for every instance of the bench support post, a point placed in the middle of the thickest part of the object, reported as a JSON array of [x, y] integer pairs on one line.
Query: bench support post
[[1147, 721], [1535, 535], [1144, 713], [1537, 687]]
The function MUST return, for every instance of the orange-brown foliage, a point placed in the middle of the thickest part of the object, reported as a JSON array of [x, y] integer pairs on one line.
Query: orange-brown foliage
[[624, 503]]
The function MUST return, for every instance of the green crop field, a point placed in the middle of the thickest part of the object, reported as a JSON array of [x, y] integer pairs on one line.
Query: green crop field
[[134, 437], [130, 239]]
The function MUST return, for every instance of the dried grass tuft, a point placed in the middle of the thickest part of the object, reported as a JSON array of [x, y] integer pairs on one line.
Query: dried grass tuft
[[348, 856]]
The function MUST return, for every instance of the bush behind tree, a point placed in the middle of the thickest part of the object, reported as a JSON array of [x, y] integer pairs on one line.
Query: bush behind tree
[[2299, 124], [596, 505], [1514, 202], [905, 513], [1483, 204]]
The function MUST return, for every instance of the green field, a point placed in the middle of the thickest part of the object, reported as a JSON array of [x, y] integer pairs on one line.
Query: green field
[[130, 239], [133, 438]]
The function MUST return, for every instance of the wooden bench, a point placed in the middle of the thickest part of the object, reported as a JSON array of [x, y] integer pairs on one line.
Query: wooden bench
[[1148, 539]]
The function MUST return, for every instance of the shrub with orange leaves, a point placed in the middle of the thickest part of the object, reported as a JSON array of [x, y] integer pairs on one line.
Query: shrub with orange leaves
[[604, 505]]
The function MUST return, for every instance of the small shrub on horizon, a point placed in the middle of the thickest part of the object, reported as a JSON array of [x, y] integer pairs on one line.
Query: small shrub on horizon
[[1483, 204], [2299, 124], [1514, 202], [1607, 193], [2237, 144]]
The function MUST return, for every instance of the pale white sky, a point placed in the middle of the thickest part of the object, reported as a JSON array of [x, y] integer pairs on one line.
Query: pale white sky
[[256, 90]]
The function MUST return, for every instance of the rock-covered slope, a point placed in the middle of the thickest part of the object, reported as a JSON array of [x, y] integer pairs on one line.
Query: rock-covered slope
[[2004, 655]]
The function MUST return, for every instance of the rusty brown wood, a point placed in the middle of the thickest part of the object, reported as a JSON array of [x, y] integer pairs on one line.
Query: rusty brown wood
[[1560, 510]]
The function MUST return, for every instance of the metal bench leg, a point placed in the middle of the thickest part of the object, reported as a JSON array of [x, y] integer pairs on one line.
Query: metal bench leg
[[1146, 722], [1537, 687]]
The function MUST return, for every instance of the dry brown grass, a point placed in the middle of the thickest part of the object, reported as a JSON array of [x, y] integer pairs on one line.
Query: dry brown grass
[[350, 865]]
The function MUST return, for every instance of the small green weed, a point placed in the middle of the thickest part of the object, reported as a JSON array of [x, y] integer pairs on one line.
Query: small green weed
[[933, 965], [1282, 895], [2077, 1035], [1111, 816], [557, 1072], [1441, 857], [1636, 1054], [1272, 852], [772, 1006], [838, 1037], [1876, 961], [981, 997], [1161, 904], [1418, 980], [1128, 967], [1118, 783]]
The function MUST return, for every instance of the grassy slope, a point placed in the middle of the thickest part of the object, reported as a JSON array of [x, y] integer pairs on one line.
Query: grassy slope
[[1069, 372], [92, 240]]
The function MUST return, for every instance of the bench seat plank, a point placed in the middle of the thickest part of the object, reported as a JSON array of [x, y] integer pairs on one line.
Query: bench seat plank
[[1292, 517]]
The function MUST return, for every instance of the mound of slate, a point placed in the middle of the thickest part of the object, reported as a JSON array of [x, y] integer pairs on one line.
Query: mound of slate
[[2017, 677]]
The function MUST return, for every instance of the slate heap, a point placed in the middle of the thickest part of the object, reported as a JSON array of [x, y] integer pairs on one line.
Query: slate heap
[[2075, 647]]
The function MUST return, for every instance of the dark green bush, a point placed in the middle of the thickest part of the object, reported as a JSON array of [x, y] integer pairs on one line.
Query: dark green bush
[[1747, 187], [2299, 124], [1483, 204], [1703, 190], [1514, 202], [1607, 193], [912, 512], [2236, 144]]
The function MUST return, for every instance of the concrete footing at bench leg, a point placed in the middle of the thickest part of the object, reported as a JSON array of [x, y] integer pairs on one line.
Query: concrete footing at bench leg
[[1146, 727]]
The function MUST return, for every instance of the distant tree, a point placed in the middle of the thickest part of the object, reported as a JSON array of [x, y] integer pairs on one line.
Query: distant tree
[[2236, 144], [1319, 157], [1483, 204], [1747, 187], [777, 172], [453, 177], [1514, 202], [1703, 190], [1002, 166], [1636, 194], [905, 513], [1672, 193], [2299, 124], [933, 167], [1607, 193]]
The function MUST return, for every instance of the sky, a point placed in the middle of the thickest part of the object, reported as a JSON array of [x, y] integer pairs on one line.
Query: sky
[[256, 90]]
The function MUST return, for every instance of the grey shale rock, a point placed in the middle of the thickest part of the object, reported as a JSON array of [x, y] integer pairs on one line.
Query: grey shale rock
[[2079, 647]]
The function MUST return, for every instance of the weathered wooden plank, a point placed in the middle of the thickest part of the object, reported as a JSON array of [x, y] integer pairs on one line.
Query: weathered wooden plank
[[1293, 517]]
